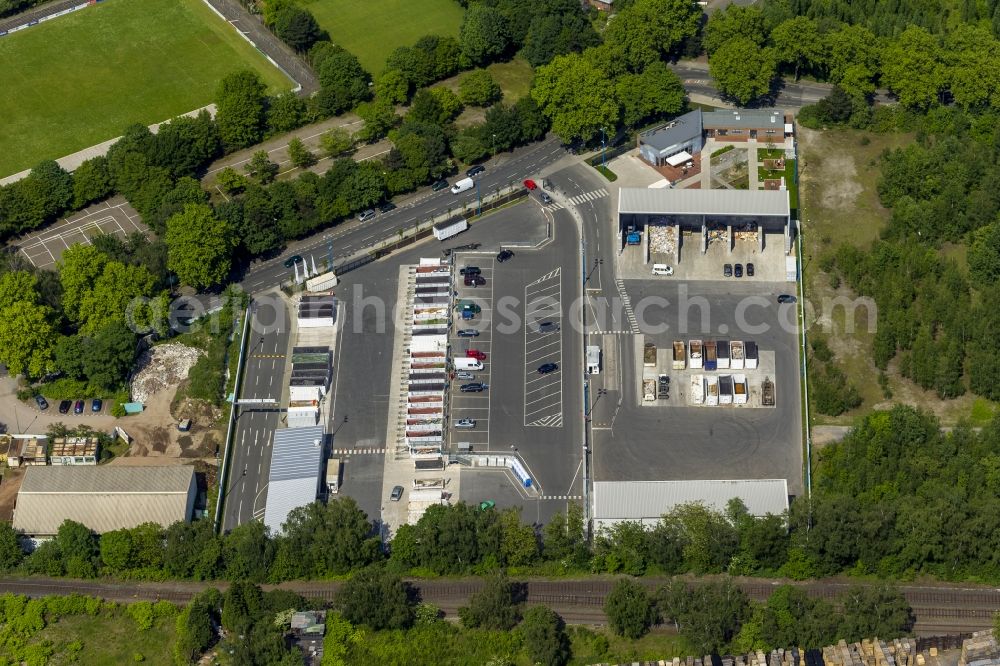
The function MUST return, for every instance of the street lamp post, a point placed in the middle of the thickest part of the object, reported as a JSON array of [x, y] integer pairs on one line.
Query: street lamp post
[[494, 145]]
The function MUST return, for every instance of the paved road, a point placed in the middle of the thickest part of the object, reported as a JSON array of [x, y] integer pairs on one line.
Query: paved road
[[264, 371], [937, 609], [36, 13]]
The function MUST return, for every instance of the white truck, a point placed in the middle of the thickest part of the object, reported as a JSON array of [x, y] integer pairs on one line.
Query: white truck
[[447, 229], [697, 389], [694, 354], [463, 185], [711, 390], [468, 364], [649, 389], [593, 360], [333, 476]]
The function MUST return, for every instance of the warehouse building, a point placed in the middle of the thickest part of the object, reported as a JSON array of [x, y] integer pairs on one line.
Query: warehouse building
[[645, 502], [104, 498], [296, 469]]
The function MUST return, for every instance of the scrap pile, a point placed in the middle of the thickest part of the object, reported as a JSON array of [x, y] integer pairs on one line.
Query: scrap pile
[[746, 231], [662, 239], [162, 366]]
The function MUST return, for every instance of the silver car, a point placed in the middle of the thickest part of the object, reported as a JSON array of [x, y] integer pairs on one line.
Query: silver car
[[465, 423], [465, 375]]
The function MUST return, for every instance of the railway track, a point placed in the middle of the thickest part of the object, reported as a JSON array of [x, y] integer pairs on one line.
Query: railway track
[[936, 609]]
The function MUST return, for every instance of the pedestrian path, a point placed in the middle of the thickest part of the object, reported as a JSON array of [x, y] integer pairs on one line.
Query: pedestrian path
[[561, 497], [588, 196], [347, 452]]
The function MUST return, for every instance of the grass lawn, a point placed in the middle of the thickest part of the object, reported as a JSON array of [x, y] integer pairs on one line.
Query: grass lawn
[[108, 638], [514, 78], [372, 30], [80, 79], [588, 646]]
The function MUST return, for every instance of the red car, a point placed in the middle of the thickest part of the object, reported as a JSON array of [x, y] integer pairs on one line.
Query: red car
[[530, 184], [476, 354]]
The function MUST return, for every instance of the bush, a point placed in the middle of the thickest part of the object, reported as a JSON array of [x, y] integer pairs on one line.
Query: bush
[[478, 88], [629, 608]]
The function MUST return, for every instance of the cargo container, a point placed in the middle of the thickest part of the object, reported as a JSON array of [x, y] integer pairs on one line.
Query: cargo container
[[445, 230], [694, 354], [736, 355], [649, 389], [711, 390], [751, 355], [740, 389], [679, 361], [722, 354], [710, 358], [767, 393], [697, 389], [726, 390], [649, 355]]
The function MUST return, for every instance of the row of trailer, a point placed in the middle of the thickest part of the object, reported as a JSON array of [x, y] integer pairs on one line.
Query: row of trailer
[[712, 390], [714, 355]]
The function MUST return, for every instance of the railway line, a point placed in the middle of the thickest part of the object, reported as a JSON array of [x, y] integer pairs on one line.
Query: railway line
[[937, 610]]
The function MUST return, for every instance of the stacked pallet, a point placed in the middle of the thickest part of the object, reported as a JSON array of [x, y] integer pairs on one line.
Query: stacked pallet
[[980, 650]]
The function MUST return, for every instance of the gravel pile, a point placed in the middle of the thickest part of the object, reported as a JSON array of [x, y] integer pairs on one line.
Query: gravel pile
[[162, 366]]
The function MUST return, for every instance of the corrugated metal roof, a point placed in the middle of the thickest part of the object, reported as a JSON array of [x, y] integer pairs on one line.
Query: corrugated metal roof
[[658, 201], [103, 498], [295, 470], [680, 129], [743, 118], [648, 500]]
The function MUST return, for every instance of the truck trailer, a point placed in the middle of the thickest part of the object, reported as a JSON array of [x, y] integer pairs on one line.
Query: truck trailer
[[751, 355], [694, 354], [649, 355], [726, 390], [722, 354], [740, 389], [593, 360], [447, 229], [649, 389], [711, 390], [710, 358], [679, 360], [736, 355], [697, 389]]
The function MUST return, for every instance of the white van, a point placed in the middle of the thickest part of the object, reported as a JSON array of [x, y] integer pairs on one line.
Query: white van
[[468, 364], [463, 185], [662, 269]]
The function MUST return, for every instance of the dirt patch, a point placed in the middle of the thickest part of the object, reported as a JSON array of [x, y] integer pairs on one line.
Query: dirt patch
[[9, 485], [162, 366], [155, 432]]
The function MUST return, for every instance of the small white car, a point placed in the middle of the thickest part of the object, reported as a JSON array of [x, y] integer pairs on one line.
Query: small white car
[[464, 375], [662, 269], [465, 423]]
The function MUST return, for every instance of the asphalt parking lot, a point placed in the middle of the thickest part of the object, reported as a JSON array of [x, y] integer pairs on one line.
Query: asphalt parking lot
[[473, 406], [543, 347], [634, 442]]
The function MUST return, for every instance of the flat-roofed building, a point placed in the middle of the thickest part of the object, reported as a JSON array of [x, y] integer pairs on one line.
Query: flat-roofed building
[[294, 476]]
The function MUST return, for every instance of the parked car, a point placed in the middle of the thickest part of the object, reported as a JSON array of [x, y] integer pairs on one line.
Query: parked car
[[727, 270], [64, 406], [470, 270], [465, 423], [750, 270], [468, 333], [475, 387], [545, 327], [468, 246], [366, 215], [440, 185], [387, 206], [42, 403], [504, 256], [292, 260], [397, 493], [78, 407], [476, 354], [464, 375], [475, 171], [546, 368], [530, 184], [96, 405], [474, 281], [739, 270], [470, 307], [786, 298], [545, 197]]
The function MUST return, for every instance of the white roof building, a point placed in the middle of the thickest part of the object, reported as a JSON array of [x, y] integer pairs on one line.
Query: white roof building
[[296, 469], [645, 502]]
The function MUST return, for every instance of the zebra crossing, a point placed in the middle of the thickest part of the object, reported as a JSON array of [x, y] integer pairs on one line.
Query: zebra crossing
[[347, 452], [627, 304], [579, 199], [562, 497]]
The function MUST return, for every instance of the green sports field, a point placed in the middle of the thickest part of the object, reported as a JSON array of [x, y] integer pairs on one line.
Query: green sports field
[[372, 29], [78, 80]]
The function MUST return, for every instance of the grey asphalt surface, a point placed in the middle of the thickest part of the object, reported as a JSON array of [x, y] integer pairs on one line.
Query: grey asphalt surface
[[264, 370]]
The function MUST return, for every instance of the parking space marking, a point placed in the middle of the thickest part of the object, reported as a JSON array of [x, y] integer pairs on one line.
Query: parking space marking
[[543, 391]]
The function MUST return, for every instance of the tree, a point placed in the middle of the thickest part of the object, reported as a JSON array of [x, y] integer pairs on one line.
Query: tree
[[322, 540], [645, 30], [52, 186], [709, 615], [26, 338], [984, 254], [199, 246], [425, 108], [393, 85], [792, 618], [91, 181], [11, 553], [231, 181], [248, 552], [195, 626], [492, 607], [98, 291], [192, 550], [852, 59], [543, 633], [742, 69], [78, 547], [301, 156], [379, 117], [478, 88], [449, 102], [242, 606], [655, 92], [240, 109], [108, 357], [343, 82], [116, 550], [629, 608], [837, 107], [261, 168], [735, 22], [576, 96], [797, 42], [875, 610], [912, 68], [484, 35], [468, 147], [296, 27], [336, 142], [519, 543], [971, 55], [286, 112], [375, 597]]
